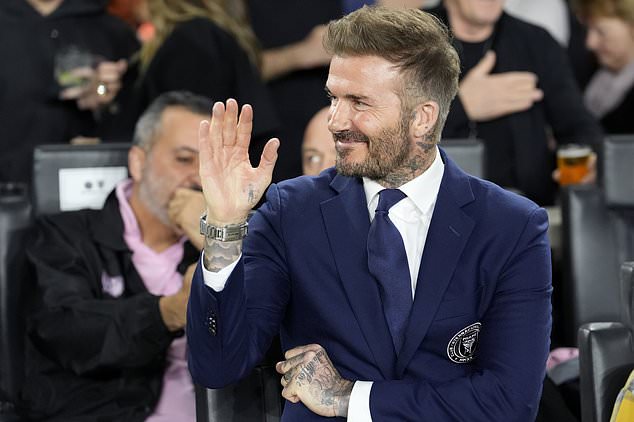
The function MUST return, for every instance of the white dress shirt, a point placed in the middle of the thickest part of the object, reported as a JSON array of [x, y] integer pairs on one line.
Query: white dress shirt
[[412, 217]]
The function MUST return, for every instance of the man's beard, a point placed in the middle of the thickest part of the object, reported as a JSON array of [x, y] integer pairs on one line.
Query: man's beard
[[151, 193], [387, 152]]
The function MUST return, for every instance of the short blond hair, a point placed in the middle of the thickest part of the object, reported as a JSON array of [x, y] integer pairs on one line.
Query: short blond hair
[[416, 42]]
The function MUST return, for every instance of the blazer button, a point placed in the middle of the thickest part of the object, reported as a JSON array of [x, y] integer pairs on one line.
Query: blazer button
[[212, 324]]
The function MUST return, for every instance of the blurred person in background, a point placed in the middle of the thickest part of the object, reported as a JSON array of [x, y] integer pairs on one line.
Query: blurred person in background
[[200, 47], [557, 17], [135, 13], [318, 148], [105, 335], [610, 93], [517, 93], [61, 76]]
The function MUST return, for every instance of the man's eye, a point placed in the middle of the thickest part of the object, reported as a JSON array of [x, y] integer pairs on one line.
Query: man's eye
[[185, 160], [313, 159]]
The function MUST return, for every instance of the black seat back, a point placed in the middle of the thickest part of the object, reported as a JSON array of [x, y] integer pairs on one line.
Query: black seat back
[[606, 356], [15, 221], [256, 398], [69, 177], [598, 235], [467, 153]]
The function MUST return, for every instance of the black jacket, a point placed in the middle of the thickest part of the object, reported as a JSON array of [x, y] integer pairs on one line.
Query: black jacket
[[620, 120], [520, 46], [200, 57], [30, 111], [92, 356], [299, 94]]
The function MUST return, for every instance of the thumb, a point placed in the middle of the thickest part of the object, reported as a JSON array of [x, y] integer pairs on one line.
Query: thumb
[[122, 66], [485, 66], [269, 156]]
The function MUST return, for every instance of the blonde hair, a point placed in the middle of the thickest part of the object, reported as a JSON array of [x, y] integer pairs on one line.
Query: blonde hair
[[620, 9], [166, 14], [417, 43]]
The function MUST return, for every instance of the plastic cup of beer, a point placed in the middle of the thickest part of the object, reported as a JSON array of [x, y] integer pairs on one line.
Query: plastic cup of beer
[[572, 162]]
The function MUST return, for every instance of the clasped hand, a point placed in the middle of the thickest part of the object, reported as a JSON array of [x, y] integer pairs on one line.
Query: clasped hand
[[310, 377]]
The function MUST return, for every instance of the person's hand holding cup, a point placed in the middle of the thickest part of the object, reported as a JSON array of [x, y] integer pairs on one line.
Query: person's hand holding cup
[[576, 164]]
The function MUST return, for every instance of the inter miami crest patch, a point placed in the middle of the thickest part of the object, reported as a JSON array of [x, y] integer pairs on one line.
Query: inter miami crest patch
[[463, 345]]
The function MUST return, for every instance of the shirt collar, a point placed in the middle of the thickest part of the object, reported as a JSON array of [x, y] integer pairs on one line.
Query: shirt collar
[[422, 190]]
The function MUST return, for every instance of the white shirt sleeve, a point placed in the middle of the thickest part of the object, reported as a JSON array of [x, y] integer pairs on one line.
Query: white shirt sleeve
[[217, 281], [359, 406]]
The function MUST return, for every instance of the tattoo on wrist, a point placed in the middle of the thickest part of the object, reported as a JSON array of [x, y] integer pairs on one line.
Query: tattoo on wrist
[[219, 255]]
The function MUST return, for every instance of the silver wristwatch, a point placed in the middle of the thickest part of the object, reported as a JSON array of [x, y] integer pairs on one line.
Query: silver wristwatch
[[227, 233]]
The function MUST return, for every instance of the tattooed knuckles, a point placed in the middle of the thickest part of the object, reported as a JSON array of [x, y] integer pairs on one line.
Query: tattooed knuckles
[[310, 377]]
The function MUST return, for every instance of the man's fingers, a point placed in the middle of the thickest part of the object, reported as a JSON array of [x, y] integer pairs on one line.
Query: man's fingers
[[288, 364], [229, 123], [300, 350], [72, 93], [245, 126], [215, 127], [269, 156], [538, 95], [485, 65], [204, 148]]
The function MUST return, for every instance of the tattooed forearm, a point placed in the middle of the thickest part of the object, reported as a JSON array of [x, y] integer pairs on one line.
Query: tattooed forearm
[[218, 254]]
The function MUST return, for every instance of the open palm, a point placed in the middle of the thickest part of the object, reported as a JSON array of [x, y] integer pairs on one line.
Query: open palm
[[230, 184]]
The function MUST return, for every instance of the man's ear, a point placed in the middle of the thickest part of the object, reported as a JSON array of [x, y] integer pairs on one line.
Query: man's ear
[[424, 119], [136, 162]]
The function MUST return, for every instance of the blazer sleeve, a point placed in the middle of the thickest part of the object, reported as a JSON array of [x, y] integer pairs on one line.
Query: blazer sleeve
[[74, 323], [229, 332], [512, 350]]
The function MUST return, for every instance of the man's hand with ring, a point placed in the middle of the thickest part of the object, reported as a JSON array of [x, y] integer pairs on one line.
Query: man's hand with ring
[[102, 89], [104, 83]]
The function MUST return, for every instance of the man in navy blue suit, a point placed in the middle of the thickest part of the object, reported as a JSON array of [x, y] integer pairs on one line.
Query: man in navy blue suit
[[434, 306]]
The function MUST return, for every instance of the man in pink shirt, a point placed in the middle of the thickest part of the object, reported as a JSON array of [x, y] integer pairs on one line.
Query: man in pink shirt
[[105, 338]]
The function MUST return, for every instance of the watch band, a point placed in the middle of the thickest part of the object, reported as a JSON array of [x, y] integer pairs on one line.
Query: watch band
[[229, 233]]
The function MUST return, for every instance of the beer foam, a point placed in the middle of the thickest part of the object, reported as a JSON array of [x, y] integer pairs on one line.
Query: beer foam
[[574, 151]]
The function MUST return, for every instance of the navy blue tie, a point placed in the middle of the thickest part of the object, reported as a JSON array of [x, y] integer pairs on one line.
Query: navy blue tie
[[387, 262]]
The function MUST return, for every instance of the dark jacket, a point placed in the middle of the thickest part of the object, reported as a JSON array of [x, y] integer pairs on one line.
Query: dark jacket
[[200, 57], [30, 111], [299, 94], [520, 46], [620, 119], [92, 356]]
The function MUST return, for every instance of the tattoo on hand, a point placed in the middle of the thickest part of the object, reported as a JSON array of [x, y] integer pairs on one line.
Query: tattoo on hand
[[325, 384], [251, 195]]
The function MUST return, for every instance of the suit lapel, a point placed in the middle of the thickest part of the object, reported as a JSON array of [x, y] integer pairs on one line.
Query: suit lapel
[[347, 224], [448, 234]]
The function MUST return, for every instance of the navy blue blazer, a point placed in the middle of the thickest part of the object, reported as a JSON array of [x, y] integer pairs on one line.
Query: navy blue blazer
[[478, 337]]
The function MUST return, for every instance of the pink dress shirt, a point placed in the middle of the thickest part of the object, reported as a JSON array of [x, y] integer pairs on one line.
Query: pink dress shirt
[[160, 276]]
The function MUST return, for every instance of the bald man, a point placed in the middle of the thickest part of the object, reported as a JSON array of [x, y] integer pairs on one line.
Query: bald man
[[318, 148]]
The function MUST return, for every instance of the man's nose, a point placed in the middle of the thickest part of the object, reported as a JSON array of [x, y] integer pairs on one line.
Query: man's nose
[[339, 117]]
